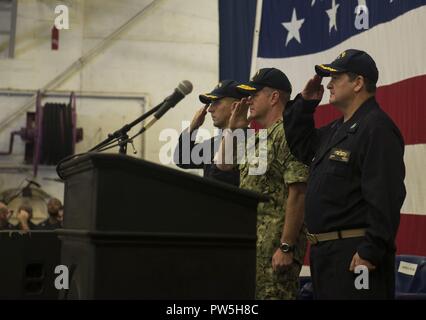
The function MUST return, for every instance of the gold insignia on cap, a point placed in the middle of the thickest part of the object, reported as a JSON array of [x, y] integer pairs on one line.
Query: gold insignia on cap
[[342, 55], [327, 68], [246, 87], [210, 96]]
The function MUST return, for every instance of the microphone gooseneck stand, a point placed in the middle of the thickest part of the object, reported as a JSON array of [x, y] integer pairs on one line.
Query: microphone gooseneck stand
[[121, 134], [120, 137]]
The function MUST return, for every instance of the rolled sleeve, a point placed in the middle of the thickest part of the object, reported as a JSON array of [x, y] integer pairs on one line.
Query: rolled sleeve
[[295, 171]]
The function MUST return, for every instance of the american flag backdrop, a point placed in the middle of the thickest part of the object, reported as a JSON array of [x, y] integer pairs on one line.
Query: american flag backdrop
[[295, 35]]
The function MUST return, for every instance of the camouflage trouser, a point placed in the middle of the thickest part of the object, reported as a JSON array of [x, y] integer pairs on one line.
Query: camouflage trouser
[[270, 285]]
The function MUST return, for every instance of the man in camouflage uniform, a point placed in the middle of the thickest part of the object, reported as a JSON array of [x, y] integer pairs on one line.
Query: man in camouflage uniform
[[281, 237]]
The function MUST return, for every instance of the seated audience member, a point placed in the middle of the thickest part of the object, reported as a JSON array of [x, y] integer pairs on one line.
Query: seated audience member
[[54, 208], [24, 216], [4, 217]]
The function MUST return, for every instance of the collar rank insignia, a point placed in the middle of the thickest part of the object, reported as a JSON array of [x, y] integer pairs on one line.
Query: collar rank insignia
[[353, 127]]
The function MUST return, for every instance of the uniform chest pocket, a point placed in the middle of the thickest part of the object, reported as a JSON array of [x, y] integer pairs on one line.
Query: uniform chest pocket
[[334, 183], [338, 168], [338, 162]]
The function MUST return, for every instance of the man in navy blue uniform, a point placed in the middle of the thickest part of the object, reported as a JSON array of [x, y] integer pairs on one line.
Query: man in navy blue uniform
[[356, 186], [219, 104]]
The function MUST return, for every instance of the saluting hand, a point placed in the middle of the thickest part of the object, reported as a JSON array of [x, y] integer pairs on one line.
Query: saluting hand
[[313, 90], [238, 117], [199, 118]]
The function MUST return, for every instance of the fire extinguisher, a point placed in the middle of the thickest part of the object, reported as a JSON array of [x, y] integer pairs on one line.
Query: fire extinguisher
[[55, 38]]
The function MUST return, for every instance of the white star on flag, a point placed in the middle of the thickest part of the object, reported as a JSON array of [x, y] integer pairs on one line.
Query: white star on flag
[[293, 28], [332, 12], [362, 3]]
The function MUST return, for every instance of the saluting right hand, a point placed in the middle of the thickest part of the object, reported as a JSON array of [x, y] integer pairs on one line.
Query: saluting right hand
[[199, 118], [313, 90], [239, 115]]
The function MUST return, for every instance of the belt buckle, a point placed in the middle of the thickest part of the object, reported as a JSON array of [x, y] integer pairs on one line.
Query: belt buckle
[[312, 238]]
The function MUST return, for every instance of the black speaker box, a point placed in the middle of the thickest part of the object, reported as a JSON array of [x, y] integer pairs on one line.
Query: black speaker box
[[28, 264]]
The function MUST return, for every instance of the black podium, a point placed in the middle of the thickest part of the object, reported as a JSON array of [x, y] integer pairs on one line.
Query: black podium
[[137, 230]]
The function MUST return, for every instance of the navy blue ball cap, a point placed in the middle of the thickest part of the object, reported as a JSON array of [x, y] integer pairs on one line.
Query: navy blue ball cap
[[351, 60], [267, 77], [225, 89]]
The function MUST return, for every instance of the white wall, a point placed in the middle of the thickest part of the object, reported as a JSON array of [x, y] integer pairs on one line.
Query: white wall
[[174, 40]]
